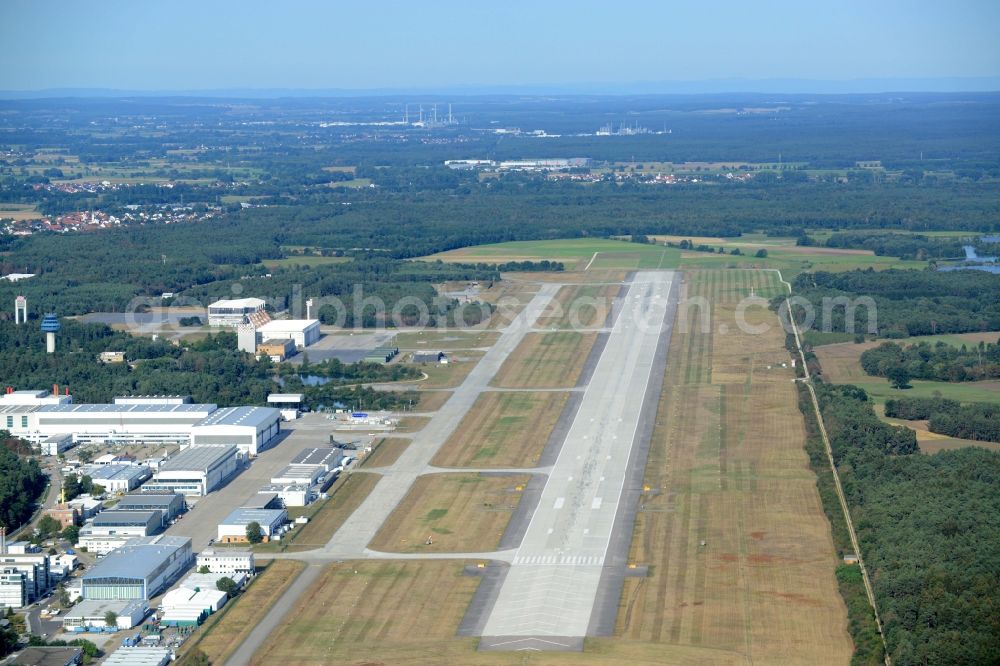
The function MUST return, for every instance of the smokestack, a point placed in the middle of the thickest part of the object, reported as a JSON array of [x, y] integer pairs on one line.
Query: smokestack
[[55, 389]]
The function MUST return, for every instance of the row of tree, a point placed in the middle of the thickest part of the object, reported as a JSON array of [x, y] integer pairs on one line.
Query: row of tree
[[978, 420], [937, 362], [929, 528], [899, 303]]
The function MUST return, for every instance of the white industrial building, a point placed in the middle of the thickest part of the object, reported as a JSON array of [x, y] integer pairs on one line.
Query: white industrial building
[[107, 423], [118, 479], [139, 570], [170, 505], [227, 561], [152, 400], [34, 398], [137, 419], [233, 312], [290, 494], [35, 567], [110, 530], [304, 332], [326, 458], [55, 444], [252, 429], [139, 655], [13, 588], [233, 529], [89, 615], [306, 475], [197, 470]]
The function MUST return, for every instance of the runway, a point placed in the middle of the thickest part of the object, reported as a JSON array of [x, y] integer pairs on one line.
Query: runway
[[549, 593]]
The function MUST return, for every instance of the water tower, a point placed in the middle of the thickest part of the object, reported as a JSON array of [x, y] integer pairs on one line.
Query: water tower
[[20, 310], [50, 326]]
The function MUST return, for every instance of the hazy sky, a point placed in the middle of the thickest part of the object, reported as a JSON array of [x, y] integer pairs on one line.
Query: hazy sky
[[184, 44]]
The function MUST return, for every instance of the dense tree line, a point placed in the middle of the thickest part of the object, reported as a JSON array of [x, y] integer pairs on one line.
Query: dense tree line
[[855, 431], [904, 246], [938, 362], [978, 420], [929, 528], [907, 302], [210, 370], [21, 484]]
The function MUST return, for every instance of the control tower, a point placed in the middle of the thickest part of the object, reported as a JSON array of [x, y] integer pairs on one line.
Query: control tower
[[50, 326]]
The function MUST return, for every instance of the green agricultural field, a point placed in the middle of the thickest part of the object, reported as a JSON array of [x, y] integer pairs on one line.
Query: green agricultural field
[[575, 253], [305, 260], [841, 364]]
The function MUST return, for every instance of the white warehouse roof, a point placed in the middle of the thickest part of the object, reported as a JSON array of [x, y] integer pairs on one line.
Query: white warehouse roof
[[284, 325], [241, 416], [238, 303], [198, 458]]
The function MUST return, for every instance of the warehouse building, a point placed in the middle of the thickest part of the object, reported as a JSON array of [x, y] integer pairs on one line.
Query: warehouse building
[[113, 529], [233, 529], [89, 615], [139, 570], [381, 355], [227, 562], [118, 479], [233, 312], [306, 475], [142, 419], [152, 400], [197, 470], [303, 332], [139, 655], [252, 429], [291, 494], [170, 505], [276, 350], [55, 444], [326, 458], [35, 398], [104, 423]]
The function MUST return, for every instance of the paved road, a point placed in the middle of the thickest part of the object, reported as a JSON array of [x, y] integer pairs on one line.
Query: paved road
[[552, 584], [351, 540], [201, 523]]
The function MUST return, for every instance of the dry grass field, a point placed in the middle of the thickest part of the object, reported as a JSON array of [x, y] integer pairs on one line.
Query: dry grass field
[[451, 374], [345, 496], [740, 551], [434, 340], [407, 612], [376, 612], [459, 512], [579, 306], [546, 360], [223, 633], [409, 424], [431, 401], [503, 430], [386, 453]]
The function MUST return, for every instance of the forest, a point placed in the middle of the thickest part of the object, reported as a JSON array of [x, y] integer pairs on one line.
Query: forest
[[929, 527], [905, 246], [210, 370], [937, 362], [907, 302], [977, 420], [21, 484]]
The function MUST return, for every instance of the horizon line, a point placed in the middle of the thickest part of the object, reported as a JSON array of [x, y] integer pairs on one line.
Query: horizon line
[[727, 86]]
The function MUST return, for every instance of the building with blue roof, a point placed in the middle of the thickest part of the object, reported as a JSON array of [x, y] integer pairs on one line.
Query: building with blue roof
[[139, 570]]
